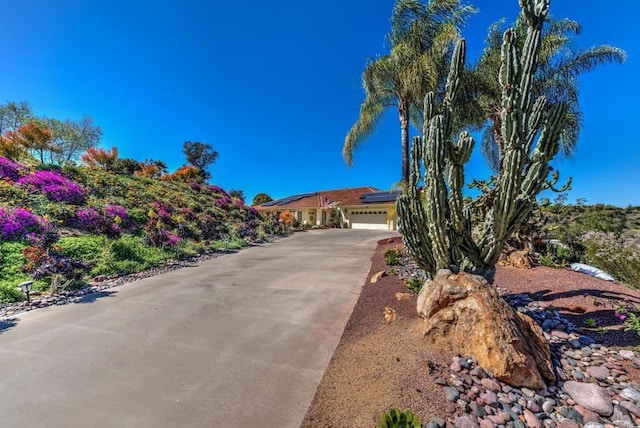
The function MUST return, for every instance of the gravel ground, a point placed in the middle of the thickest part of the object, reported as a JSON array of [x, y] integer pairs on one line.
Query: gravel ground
[[378, 365]]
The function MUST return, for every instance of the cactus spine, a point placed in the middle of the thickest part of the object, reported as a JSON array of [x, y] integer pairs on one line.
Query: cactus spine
[[434, 222]]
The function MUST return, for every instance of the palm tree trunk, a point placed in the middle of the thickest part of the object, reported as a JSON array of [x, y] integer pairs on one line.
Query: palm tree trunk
[[403, 112]]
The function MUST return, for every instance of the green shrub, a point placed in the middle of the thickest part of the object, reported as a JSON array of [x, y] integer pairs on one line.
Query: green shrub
[[391, 257], [397, 419], [11, 262], [590, 323], [138, 216], [232, 243], [414, 285], [128, 254], [184, 249], [10, 294], [89, 248]]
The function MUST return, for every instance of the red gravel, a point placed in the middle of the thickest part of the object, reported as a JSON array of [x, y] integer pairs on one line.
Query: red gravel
[[377, 365]]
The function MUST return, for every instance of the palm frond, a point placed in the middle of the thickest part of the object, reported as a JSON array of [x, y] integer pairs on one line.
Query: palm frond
[[370, 113], [583, 61]]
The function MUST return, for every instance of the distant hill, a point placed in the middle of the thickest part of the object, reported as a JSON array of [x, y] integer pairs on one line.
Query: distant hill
[[557, 219]]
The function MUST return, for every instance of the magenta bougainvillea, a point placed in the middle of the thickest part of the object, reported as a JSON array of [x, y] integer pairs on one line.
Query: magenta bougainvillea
[[159, 225], [111, 222], [223, 202], [217, 189], [9, 170], [55, 187], [23, 226]]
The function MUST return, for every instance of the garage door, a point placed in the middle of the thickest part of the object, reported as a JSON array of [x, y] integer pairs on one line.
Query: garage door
[[369, 219]]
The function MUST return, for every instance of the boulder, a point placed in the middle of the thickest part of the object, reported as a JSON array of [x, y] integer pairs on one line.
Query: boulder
[[464, 314]]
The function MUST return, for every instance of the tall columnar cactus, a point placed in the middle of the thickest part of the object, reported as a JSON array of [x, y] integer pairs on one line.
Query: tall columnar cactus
[[434, 221]]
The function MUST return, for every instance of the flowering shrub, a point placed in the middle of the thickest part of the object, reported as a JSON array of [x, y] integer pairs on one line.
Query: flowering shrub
[[9, 170], [169, 239], [56, 187], [630, 315], [23, 226], [100, 158], [617, 254], [287, 218], [111, 222], [159, 225], [223, 202], [118, 214], [217, 189]]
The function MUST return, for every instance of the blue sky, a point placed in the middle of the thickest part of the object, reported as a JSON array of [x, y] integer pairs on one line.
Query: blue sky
[[275, 86]]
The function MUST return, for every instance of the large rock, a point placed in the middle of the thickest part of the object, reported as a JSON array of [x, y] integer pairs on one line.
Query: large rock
[[465, 314]]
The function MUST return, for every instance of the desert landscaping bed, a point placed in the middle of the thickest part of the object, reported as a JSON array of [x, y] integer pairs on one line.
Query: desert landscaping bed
[[379, 364]]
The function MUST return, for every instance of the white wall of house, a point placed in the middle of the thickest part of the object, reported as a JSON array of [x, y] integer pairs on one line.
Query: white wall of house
[[311, 216]]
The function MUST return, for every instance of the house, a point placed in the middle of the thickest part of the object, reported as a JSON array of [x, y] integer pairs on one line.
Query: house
[[355, 208]]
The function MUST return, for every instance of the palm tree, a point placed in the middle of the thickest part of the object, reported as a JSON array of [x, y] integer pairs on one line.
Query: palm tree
[[421, 40], [556, 78]]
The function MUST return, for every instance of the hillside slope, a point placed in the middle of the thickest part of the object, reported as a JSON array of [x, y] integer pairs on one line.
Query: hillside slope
[[116, 223]]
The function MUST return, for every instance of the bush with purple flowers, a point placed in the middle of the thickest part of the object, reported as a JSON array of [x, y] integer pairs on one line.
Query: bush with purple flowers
[[55, 187], [217, 189], [223, 202], [9, 170], [118, 214], [110, 222], [22, 225]]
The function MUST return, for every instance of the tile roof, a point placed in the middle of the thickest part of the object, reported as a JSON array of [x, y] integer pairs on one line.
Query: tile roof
[[339, 197]]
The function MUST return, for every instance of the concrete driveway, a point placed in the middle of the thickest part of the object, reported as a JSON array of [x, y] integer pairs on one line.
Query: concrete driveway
[[239, 341]]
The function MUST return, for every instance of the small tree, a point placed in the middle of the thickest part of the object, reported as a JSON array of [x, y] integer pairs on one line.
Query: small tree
[[73, 137], [10, 146], [200, 155], [37, 138], [100, 158], [52, 264], [236, 193], [126, 166], [261, 198], [13, 115]]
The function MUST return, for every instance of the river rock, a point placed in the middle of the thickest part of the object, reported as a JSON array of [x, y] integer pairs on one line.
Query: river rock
[[631, 394], [590, 396], [598, 372], [465, 314]]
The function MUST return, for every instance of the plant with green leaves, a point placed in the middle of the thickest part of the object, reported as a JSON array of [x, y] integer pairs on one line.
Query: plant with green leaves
[[556, 77], [391, 257], [414, 285], [420, 38], [394, 418], [436, 221]]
